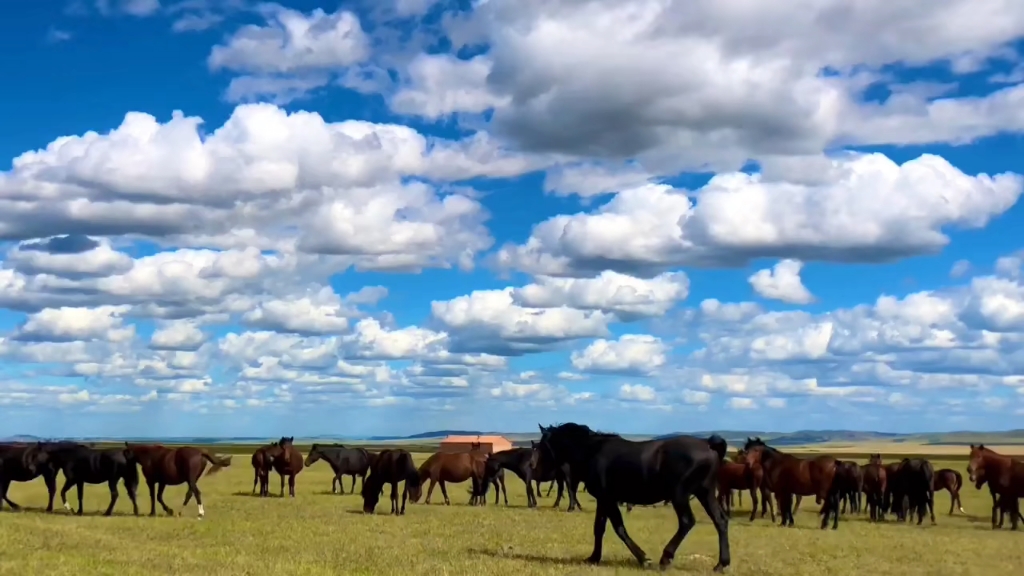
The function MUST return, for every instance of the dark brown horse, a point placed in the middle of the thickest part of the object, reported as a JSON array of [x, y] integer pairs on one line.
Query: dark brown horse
[[875, 487], [24, 463], [262, 464], [163, 467], [454, 467], [1009, 505], [288, 464], [733, 476], [952, 481], [788, 476], [853, 483], [391, 467], [1004, 475], [757, 483]]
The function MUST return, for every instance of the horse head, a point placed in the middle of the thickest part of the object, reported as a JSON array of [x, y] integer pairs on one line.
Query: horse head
[[976, 465], [313, 455], [285, 444], [370, 493], [875, 459]]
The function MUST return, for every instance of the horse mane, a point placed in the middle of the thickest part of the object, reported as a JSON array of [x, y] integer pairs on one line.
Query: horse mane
[[580, 429]]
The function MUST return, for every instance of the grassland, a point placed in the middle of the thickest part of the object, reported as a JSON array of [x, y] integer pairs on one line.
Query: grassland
[[321, 533]]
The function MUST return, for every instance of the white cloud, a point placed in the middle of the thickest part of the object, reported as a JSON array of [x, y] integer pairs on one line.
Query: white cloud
[[782, 282], [610, 291], [740, 403], [637, 393], [74, 324], [630, 354], [178, 335]]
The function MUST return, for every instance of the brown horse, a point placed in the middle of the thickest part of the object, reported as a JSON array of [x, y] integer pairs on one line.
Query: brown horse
[[454, 467], [952, 481], [288, 464], [788, 476], [875, 487], [733, 476], [1005, 476], [163, 467], [391, 467], [757, 484], [262, 462]]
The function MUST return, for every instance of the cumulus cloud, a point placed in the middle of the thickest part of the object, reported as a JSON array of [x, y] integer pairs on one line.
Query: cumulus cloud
[[871, 210], [630, 354], [782, 282]]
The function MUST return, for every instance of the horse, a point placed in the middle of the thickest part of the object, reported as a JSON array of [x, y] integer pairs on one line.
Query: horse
[[24, 463], [343, 461], [893, 500], [875, 487], [454, 467], [788, 475], [545, 468], [391, 467], [853, 483], [757, 483], [952, 481], [262, 463], [913, 481], [517, 460], [289, 464], [163, 467], [733, 476], [618, 470], [83, 465], [1005, 475]]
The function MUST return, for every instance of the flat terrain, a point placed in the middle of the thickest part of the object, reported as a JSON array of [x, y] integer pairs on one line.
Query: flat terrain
[[321, 533]]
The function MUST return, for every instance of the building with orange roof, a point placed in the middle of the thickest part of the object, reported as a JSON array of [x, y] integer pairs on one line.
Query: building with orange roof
[[488, 444]]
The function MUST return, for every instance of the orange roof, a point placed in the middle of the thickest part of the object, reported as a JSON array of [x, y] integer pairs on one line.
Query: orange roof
[[481, 439]]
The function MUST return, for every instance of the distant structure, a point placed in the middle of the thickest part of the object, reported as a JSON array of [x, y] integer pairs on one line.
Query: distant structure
[[488, 444]]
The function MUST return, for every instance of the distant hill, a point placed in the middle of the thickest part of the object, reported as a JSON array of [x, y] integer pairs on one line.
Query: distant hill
[[733, 437]]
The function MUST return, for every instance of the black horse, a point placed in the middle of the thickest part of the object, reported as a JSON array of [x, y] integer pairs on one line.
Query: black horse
[[391, 467], [618, 470], [493, 476], [24, 463], [343, 461], [519, 461], [913, 489], [545, 469], [83, 465]]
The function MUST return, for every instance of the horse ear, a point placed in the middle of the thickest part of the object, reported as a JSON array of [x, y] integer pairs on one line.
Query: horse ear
[[981, 446], [972, 446], [541, 428]]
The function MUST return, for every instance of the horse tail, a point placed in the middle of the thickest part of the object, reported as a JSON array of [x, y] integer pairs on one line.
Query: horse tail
[[218, 462], [959, 480], [719, 445]]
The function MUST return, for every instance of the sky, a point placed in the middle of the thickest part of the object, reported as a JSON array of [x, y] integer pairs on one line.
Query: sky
[[227, 218]]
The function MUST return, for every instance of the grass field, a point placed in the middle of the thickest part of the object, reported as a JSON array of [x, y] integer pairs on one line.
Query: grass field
[[321, 533]]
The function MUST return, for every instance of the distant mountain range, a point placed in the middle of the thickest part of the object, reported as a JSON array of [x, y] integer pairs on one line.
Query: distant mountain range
[[733, 437]]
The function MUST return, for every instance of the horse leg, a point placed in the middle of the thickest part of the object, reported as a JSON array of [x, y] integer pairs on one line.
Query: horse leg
[[152, 497], [753, 505], [80, 489], [444, 492], [394, 499], [796, 508], [430, 490], [291, 485], [766, 501], [615, 516], [282, 483], [51, 489], [531, 498], [193, 488], [160, 498], [405, 494], [113, 496], [131, 486], [558, 495], [334, 485], [721, 522], [681, 504], [550, 486], [504, 490], [68, 483], [353, 490], [931, 505], [600, 521]]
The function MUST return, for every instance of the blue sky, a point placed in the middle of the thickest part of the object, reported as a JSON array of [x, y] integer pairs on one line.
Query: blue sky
[[220, 217]]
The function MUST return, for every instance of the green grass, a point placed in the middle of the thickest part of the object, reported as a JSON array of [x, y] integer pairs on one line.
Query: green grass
[[320, 533]]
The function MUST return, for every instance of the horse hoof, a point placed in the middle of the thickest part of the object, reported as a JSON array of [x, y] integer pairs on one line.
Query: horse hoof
[[593, 560], [719, 568]]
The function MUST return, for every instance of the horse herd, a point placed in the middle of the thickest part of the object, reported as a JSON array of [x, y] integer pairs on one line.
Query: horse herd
[[613, 470]]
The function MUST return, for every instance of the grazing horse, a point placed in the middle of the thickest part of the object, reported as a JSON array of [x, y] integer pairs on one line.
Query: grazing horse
[[952, 481], [1005, 475], [391, 467], [288, 464], [83, 465], [853, 483], [454, 467], [789, 476], [262, 463], [913, 482], [617, 470], [545, 468], [163, 467], [343, 461], [875, 487], [24, 463]]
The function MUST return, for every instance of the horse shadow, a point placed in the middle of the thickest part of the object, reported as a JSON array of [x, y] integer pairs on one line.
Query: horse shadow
[[551, 560], [243, 494]]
